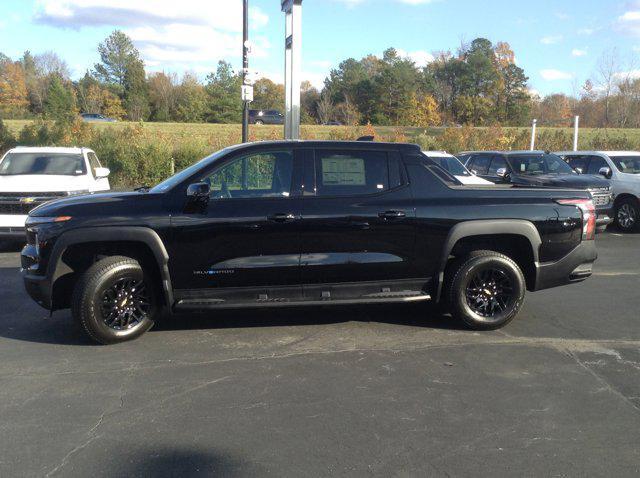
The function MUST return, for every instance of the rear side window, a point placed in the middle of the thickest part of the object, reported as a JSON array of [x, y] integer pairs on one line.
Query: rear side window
[[93, 161], [354, 173]]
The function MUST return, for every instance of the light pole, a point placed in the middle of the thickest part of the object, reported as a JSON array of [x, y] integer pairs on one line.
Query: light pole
[[245, 70], [293, 57], [533, 134]]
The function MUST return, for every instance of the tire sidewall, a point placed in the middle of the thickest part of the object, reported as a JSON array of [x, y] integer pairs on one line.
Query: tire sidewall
[[634, 205], [459, 301], [92, 299]]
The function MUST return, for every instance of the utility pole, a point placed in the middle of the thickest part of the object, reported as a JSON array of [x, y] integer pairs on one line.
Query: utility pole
[[245, 71], [576, 127]]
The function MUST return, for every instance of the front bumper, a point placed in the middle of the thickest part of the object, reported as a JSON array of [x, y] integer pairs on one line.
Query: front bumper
[[574, 267], [37, 284], [604, 217], [12, 226]]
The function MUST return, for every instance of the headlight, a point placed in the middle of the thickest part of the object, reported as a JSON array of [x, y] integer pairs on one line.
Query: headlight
[[35, 220]]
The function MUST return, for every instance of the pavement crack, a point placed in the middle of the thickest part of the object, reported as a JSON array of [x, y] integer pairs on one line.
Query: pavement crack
[[68, 456], [604, 382]]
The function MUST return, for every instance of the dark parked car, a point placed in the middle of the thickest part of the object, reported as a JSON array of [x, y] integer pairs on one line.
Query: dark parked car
[[90, 117], [265, 117], [314, 223], [540, 169]]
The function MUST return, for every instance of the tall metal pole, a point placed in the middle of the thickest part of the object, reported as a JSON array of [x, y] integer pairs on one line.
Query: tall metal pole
[[245, 67], [533, 134], [576, 126], [293, 58]]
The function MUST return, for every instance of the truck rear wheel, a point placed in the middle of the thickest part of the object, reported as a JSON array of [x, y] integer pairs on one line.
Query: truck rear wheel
[[486, 290], [114, 300]]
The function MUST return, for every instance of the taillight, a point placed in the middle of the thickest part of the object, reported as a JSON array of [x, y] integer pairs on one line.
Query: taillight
[[588, 216]]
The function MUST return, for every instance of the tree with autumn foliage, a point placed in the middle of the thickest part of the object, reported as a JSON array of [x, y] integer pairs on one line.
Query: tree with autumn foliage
[[424, 111], [14, 97]]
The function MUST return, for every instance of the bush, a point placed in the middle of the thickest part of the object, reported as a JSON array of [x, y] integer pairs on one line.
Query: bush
[[7, 140]]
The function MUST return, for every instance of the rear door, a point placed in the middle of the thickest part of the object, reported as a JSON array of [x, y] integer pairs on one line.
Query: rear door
[[479, 164], [357, 221]]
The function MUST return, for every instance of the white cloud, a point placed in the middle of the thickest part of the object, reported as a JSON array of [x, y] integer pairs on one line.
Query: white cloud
[[586, 31], [627, 75], [550, 40], [579, 52], [420, 57], [629, 22], [187, 35], [555, 75]]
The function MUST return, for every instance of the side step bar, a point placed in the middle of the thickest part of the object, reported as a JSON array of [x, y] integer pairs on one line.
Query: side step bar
[[390, 298]]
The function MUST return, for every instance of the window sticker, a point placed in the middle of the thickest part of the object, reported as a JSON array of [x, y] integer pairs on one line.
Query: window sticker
[[343, 171]]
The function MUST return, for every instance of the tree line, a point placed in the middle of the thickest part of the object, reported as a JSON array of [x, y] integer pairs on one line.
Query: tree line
[[480, 84]]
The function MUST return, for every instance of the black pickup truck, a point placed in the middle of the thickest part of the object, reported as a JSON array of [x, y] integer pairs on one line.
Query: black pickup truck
[[299, 223]]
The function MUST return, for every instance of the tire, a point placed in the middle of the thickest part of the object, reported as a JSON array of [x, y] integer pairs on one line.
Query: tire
[[627, 215], [109, 304], [259, 122], [486, 290]]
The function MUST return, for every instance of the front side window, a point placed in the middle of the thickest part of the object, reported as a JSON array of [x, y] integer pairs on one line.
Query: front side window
[[498, 162], [533, 165], [452, 165], [353, 173], [578, 163], [627, 164], [596, 164], [259, 175], [480, 164], [58, 164]]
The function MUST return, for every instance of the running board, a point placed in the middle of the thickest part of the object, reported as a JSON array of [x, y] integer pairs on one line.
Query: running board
[[383, 298]]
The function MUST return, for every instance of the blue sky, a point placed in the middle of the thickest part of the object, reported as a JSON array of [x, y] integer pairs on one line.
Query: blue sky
[[557, 42]]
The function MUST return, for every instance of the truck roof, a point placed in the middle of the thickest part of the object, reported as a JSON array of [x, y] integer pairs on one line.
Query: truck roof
[[507, 153], [330, 144], [49, 149], [608, 153]]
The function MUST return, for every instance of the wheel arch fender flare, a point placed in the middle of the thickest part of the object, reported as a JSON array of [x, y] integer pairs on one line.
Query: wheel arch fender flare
[[517, 227], [139, 234]]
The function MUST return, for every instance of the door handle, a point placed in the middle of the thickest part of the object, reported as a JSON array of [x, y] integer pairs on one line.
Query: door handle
[[392, 214], [281, 217]]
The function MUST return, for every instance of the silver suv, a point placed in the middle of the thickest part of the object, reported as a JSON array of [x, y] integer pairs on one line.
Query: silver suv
[[622, 169]]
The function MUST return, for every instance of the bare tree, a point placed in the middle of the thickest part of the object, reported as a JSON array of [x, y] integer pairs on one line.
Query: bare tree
[[607, 72], [49, 63], [325, 108]]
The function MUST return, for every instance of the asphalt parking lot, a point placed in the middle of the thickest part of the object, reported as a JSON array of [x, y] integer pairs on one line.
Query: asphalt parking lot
[[351, 391]]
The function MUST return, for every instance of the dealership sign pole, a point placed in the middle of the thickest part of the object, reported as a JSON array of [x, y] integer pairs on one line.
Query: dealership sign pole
[[293, 57], [576, 127], [533, 134]]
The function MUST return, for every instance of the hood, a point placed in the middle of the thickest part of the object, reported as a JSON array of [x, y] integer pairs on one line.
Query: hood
[[87, 204], [31, 183], [571, 181]]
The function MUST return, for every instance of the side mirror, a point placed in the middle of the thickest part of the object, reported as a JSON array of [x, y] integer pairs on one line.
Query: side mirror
[[101, 173], [502, 173], [606, 172], [578, 170], [198, 191]]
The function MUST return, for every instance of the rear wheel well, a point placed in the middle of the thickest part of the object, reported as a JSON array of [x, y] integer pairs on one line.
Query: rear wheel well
[[515, 246], [77, 258]]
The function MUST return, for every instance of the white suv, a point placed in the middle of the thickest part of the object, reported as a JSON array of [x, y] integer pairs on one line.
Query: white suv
[[31, 176], [622, 169]]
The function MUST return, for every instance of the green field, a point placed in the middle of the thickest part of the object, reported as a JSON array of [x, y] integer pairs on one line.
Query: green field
[[206, 131]]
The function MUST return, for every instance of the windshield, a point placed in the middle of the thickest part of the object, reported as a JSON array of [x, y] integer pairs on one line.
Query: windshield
[[58, 164], [185, 173], [627, 164], [539, 164], [452, 165]]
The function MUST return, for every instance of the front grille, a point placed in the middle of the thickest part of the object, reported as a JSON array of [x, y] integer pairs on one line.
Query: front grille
[[17, 208], [601, 199], [13, 195]]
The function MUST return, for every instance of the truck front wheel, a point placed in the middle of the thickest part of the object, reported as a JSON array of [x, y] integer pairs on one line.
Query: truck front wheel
[[486, 290], [114, 300]]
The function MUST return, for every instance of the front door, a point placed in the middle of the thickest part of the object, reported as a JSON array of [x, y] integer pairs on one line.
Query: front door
[[247, 234], [357, 218]]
